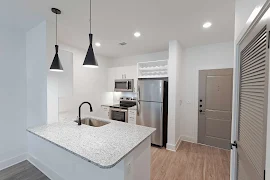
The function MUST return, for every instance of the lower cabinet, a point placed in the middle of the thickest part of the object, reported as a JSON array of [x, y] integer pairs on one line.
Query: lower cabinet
[[106, 111], [132, 116]]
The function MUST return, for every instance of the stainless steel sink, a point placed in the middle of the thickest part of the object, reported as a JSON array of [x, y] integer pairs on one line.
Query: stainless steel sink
[[93, 122]]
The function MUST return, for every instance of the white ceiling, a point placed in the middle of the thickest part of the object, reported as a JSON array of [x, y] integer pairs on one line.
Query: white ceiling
[[115, 21]]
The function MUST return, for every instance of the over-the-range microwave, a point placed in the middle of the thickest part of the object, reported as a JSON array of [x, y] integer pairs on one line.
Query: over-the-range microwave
[[124, 85]]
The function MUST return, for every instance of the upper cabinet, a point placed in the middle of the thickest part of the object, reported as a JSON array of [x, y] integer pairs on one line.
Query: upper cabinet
[[126, 72], [153, 69]]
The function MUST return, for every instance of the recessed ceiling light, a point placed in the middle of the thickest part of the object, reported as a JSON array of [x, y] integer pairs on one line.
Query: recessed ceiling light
[[207, 25], [98, 44], [137, 34]]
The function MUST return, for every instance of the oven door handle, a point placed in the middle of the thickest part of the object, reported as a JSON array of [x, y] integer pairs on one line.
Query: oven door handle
[[118, 109]]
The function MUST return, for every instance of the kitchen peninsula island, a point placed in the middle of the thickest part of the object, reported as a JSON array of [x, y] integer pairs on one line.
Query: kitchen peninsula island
[[116, 150]]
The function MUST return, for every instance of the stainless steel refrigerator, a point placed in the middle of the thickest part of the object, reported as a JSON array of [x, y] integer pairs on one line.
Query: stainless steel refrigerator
[[152, 108]]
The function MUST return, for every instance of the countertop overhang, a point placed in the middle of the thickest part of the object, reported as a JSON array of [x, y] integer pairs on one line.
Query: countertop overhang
[[103, 146]]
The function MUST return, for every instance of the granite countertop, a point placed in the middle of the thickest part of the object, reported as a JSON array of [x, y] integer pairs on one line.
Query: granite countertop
[[103, 146]]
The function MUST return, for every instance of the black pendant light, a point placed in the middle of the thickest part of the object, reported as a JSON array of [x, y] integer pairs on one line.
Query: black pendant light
[[90, 60], [56, 64]]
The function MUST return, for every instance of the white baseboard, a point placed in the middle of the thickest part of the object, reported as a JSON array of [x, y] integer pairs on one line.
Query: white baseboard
[[188, 139], [12, 161], [174, 147], [43, 168]]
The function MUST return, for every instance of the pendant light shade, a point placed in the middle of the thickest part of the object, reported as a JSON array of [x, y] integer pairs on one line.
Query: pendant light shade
[[90, 59], [56, 64]]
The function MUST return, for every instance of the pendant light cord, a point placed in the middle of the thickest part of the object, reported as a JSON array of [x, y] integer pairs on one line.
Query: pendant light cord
[[90, 17], [56, 29]]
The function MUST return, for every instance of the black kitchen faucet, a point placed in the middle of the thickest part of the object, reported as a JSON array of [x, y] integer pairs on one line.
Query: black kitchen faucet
[[80, 121]]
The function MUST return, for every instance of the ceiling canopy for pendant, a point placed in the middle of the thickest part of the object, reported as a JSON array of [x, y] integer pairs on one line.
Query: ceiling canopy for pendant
[[90, 59], [56, 64]]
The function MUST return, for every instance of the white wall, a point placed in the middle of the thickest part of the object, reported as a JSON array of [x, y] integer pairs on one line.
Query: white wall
[[133, 60], [36, 64], [214, 56], [90, 84], [52, 77], [174, 66], [12, 95], [243, 14]]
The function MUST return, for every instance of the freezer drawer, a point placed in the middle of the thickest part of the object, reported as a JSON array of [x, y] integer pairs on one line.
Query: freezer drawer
[[150, 114]]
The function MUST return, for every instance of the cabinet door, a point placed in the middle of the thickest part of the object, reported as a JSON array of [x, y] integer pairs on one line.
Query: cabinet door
[[106, 111], [132, 116], [121, 73], [131, 73]]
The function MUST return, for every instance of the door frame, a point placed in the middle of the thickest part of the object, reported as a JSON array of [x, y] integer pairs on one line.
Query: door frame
[[236, 78]]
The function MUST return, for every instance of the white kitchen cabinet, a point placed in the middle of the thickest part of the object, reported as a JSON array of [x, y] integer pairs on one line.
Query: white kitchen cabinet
[[106, 111], [132, 116], [126, 72]]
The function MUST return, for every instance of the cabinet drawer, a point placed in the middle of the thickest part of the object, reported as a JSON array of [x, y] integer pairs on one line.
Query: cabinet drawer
[[132, 112], [131, 119]]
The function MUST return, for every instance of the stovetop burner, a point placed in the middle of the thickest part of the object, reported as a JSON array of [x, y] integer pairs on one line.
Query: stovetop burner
[[125, 103]]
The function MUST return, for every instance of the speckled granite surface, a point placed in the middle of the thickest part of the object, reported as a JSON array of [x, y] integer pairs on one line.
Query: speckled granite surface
[[103, 146]]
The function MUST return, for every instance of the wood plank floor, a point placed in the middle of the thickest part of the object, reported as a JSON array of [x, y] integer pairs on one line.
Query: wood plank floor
[[22, 171], [190, 162]]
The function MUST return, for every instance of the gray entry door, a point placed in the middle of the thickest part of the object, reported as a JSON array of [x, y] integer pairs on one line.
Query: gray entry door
[[215, 107]]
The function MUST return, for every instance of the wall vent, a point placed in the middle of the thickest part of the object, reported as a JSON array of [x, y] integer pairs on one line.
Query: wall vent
[[123, 43]]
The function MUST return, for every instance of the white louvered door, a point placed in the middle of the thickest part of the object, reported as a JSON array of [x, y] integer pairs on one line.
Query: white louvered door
[[253, 95]]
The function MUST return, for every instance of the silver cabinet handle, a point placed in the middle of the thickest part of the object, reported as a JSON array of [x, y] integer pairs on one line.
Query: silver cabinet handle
[[127, 85]]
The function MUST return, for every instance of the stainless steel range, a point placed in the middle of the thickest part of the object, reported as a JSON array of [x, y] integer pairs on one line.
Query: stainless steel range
[[119, 112]]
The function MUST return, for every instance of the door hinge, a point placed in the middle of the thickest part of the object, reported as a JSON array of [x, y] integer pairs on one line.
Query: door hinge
[[234, 144]]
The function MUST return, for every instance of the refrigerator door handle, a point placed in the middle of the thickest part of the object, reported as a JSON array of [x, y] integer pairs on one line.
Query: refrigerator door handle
[[138, 108], [139, 92]]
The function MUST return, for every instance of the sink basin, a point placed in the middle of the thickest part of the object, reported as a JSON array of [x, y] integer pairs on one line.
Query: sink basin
[[93, 122]]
